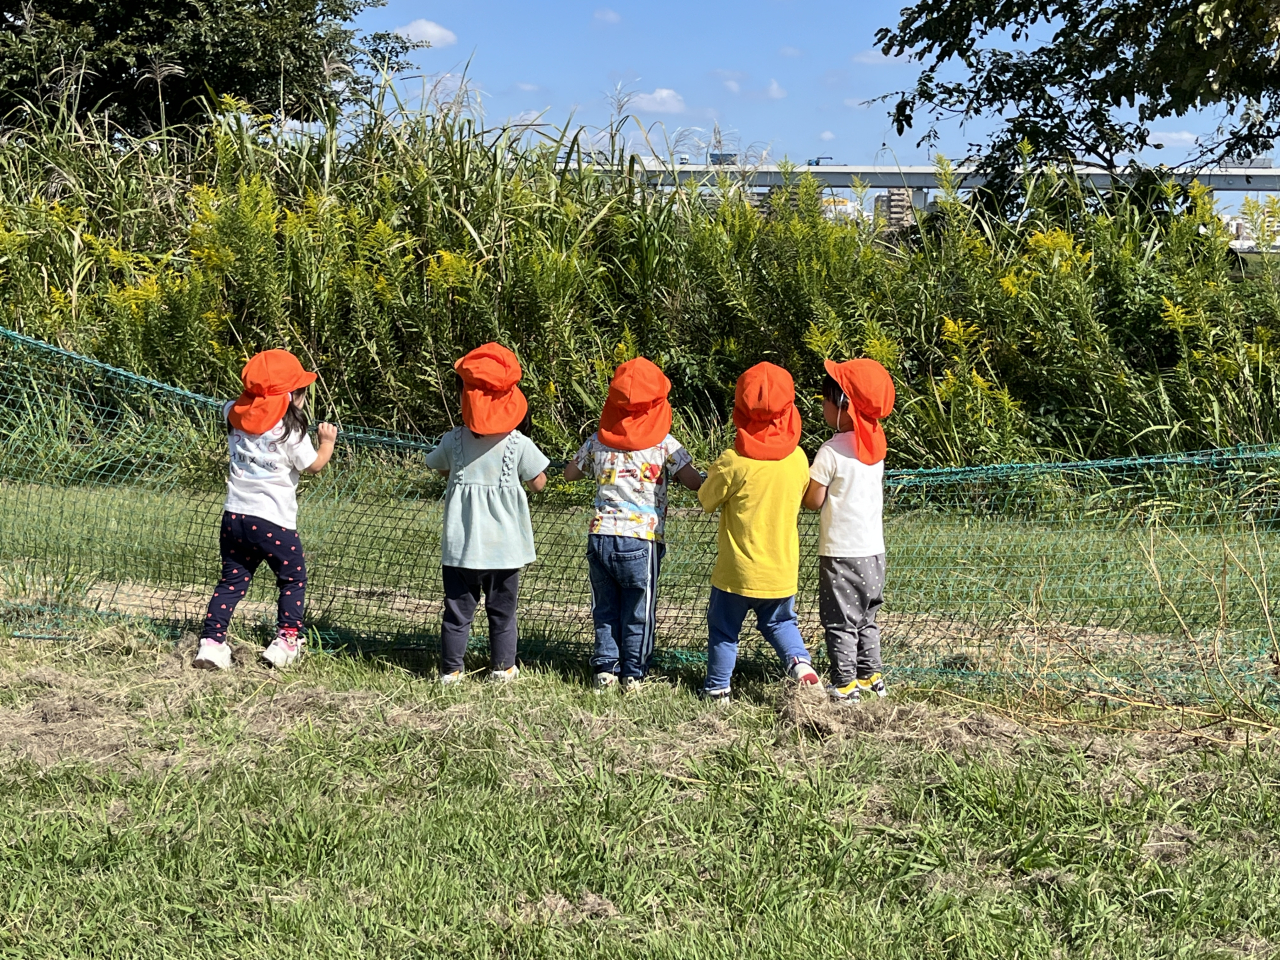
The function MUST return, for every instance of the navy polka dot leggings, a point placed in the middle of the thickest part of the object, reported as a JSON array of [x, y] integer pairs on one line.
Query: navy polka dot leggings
[[247, 541]]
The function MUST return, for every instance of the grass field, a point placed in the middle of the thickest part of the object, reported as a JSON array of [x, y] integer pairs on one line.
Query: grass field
[[353, 808]]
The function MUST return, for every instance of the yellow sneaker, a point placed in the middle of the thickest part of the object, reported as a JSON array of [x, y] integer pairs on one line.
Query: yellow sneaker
[[873, 684], [846, 694]]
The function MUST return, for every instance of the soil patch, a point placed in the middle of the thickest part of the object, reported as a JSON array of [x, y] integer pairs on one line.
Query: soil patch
[[63, 726]]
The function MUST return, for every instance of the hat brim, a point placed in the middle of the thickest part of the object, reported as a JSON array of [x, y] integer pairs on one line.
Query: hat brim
[[486, 412], [305, 379]]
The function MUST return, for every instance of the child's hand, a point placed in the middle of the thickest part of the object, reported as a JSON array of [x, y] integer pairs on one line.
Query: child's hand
[[328, 434]]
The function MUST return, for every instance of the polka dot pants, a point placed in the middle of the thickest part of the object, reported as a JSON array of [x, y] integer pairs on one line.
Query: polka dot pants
[[850, 592], [246, 542]]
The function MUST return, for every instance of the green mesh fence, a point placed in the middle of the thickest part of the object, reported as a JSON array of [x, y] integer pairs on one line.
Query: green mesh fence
[[1143, 577]]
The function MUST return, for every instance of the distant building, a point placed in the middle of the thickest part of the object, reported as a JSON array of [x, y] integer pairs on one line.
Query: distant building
[[894, 208], [842, 208], [1241, 234]]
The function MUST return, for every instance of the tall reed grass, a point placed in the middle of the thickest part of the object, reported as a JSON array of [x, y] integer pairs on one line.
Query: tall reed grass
[[384, 242]]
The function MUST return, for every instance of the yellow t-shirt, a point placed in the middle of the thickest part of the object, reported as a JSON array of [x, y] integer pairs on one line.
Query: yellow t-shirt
[[759, 502]]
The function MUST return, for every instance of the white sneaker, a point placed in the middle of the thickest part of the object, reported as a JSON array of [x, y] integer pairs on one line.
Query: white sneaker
[[283, 652], [802, 672], [213, 655], [605, 681], [505, 676], [449, 679]]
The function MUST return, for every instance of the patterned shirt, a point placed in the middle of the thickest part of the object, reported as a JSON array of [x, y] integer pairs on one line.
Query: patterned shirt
[[631, 486]]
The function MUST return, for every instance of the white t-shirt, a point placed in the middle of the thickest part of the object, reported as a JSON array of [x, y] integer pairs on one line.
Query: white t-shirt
[[263, 479], [853, 514]]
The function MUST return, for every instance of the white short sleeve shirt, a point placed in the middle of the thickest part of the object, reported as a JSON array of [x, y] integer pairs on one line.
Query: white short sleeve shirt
[[263, 478], [852, 523]]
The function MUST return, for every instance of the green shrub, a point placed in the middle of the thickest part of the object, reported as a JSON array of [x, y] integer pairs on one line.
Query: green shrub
[[380, 248]]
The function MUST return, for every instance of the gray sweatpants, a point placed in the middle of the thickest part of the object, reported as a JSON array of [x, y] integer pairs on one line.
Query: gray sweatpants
[[850, 592]]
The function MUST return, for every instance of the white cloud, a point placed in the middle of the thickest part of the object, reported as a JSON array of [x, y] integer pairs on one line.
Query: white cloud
[[789, 51], [775, 91], [872, 57], [528, 87], [855, 103], [662, 100], [827, 135], [605, 15], [731, 79], [1174, 138], [429, 31]]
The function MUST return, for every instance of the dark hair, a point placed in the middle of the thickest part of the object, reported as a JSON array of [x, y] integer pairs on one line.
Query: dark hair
[[295, 419], [833, 392]]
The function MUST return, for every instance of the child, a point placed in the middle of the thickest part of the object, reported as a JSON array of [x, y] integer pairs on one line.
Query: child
[[488, 535], [847, 485], [631, 458], [757, 486], [269, 451]]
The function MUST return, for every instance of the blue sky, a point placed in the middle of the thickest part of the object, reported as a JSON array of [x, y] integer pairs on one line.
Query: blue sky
[[788, 76]]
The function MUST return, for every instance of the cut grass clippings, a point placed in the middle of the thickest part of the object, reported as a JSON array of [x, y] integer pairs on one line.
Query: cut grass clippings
[[353, 807]]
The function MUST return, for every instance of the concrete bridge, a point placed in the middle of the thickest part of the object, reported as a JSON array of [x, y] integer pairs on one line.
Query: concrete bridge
[[921, 179]]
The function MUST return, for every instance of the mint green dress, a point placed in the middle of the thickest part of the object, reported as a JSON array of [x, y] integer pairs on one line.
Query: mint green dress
[[486, 513]]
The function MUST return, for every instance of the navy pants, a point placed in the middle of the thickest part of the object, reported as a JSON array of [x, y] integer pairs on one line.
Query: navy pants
[[246, 542], [624, 602], [462, 589]]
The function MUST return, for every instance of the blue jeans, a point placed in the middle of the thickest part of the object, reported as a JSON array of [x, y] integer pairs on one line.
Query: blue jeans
[[624, 601], [776, 619]]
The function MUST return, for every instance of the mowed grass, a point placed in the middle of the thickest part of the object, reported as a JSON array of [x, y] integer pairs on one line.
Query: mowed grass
[[354, 808]]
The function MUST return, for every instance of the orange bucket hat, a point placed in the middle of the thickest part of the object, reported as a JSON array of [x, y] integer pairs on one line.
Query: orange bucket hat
[[869, 389], [268, 378], [491, 401], [764, 411], [636, 413]]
